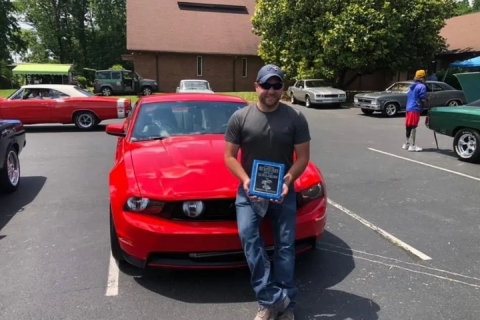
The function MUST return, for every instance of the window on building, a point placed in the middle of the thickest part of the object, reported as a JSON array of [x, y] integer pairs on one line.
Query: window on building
[[244, 67], [199, 66]]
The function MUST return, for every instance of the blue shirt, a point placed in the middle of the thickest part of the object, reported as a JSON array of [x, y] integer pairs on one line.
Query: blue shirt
[[417, 92]]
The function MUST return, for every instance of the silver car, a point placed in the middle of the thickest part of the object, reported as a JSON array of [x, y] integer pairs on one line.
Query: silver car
[[194, 86], [315, 92], [394, 99]]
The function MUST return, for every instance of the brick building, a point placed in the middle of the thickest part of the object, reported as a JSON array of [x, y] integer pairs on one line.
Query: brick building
[[171, 40]]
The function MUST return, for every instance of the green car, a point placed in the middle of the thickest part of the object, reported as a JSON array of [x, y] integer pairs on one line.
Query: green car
[[461, 122]]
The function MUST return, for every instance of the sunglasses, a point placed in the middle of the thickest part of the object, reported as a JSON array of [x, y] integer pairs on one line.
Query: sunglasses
[[267, 86]]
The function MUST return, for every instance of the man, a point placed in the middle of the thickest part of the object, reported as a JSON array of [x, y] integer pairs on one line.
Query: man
[[272, 131], [417, 97]]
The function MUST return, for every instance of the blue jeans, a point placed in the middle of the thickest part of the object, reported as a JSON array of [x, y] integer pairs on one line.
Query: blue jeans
[[270, 288]]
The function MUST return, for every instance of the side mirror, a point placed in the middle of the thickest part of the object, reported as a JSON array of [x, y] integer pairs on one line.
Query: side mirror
[[115, 130]]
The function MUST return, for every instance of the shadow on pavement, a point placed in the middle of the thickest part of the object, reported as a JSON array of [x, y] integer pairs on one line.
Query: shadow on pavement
[[60, 128], [316, 271], [11, 204], [446, 152]]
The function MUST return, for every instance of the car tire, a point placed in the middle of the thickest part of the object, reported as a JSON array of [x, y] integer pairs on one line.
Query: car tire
[[292, 98], [106, 91], [8, 185], [367, 111], [117, 252], [85, 120], [466, 145], [308, 102], [391, 109], [146, 91]]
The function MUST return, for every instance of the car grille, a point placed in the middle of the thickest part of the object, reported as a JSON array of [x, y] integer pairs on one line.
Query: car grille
[[364, 100], [215, 210], [331, 96]]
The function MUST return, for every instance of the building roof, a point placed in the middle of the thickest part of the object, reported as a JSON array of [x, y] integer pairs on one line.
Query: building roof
[[461, 33], [197, 26]]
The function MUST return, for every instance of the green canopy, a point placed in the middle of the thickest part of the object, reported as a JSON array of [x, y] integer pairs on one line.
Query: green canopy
[[47, 68]]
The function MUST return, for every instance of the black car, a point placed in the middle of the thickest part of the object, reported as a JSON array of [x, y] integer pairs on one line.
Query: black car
[[12, 142]]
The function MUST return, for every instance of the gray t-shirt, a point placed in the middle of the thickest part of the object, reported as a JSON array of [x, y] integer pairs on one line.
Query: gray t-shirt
[[268, 136]]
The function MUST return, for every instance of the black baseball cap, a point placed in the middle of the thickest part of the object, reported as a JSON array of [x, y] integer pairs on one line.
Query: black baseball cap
[[268, 71]]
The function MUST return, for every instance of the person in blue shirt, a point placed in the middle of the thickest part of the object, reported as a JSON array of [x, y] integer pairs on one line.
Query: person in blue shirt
[[417, 98]]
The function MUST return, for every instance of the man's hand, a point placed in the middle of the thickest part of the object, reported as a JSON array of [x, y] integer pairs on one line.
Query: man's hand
[[284, 193], [246, 188]]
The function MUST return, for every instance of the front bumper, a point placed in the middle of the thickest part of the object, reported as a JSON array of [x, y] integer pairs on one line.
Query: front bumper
[[326, 100], [362, 105], [151, 241]]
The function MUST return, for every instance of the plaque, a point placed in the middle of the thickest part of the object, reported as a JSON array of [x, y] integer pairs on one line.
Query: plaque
[[267, 179]]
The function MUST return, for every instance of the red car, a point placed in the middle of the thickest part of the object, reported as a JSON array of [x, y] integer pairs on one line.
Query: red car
[[50, 103], [170, 159]]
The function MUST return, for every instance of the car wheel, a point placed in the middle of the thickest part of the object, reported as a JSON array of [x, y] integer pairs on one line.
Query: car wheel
[[390, 110], [117, 252], [453, 103], [292, 98], [465, 145], [106, 91], [367, 111], [85, 120], [147, 91], [308, 102], [10, 174]]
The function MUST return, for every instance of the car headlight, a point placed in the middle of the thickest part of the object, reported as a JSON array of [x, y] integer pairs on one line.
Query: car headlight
[[313, 192], [143, 205]]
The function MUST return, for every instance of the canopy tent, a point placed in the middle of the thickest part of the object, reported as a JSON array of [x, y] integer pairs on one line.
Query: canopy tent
[[42, 69], [470, 63]]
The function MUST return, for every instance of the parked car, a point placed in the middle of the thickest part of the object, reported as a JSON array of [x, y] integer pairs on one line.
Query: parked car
[[194, 86], [12, 141], [462, 123], [315, 92], [394, 99], [122, 82], [49, 103], [172, 198]]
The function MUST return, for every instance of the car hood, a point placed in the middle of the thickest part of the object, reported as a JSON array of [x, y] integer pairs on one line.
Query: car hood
[[326, 90], [379, 94], [467, 110], [190, 167], [195, 91]]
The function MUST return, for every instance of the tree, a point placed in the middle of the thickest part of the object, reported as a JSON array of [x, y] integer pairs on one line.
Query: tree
[[10, 39], [326, 38]]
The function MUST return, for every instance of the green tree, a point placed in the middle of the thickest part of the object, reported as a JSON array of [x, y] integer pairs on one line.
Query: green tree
[[326, 38], [10, 39]]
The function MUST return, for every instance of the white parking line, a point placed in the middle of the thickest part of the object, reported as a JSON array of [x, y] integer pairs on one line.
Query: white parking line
[[113, 274], [381, 232], [426, 164]]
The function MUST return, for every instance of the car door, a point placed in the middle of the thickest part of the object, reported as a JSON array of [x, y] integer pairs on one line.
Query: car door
[[29, 107], [298, 93], [117, 82], [438, 96]]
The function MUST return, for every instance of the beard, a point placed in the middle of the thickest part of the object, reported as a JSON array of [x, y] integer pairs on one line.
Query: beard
[[270, 100]]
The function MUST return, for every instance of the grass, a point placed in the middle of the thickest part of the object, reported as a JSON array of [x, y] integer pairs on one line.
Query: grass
[[248, 96]]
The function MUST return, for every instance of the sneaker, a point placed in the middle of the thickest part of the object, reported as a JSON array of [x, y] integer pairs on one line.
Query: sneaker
[[287, 315], [405, 146], [414, 148], [265, 313]]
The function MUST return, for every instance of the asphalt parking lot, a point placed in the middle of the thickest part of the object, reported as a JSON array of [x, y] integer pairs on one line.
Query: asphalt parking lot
[[402, 238]]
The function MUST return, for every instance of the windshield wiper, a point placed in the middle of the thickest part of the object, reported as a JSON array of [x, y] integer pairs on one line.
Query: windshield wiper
[[150, 138]]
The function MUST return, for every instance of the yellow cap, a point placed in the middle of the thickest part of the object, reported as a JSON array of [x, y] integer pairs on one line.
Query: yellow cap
[[420, 74]]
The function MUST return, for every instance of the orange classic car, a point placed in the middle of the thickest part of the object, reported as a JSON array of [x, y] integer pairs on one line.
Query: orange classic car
[[67, 104]]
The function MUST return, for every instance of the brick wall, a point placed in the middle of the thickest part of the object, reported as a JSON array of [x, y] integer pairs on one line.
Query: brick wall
[[225, 73]]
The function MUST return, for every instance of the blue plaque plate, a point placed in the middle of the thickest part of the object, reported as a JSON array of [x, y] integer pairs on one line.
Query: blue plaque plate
[[267, 179]]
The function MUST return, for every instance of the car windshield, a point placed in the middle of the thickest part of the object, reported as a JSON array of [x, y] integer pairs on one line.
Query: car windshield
[[182, 118], [316, 83], [400, 87], [85, 92], [196, 85]]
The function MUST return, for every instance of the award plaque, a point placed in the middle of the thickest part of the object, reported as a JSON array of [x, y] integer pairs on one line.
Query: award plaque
[[267, 179]]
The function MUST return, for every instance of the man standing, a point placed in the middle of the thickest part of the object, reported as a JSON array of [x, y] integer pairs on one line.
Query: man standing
[[417, 97], [272, 131]]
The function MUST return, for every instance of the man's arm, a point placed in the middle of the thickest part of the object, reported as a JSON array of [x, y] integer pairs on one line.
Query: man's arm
[[302, 149], [422, 95], [233, 139]]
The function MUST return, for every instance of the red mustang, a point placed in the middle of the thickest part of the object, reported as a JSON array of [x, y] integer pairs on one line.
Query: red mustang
[[50, 103], [169, 160]]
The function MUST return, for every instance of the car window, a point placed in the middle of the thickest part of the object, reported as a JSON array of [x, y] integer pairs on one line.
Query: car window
[[316, 83], [164, 119], [195, 85], [436, 87], [85, 92], [400, 86], [105, 75], [55, 94], [116, 75]]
